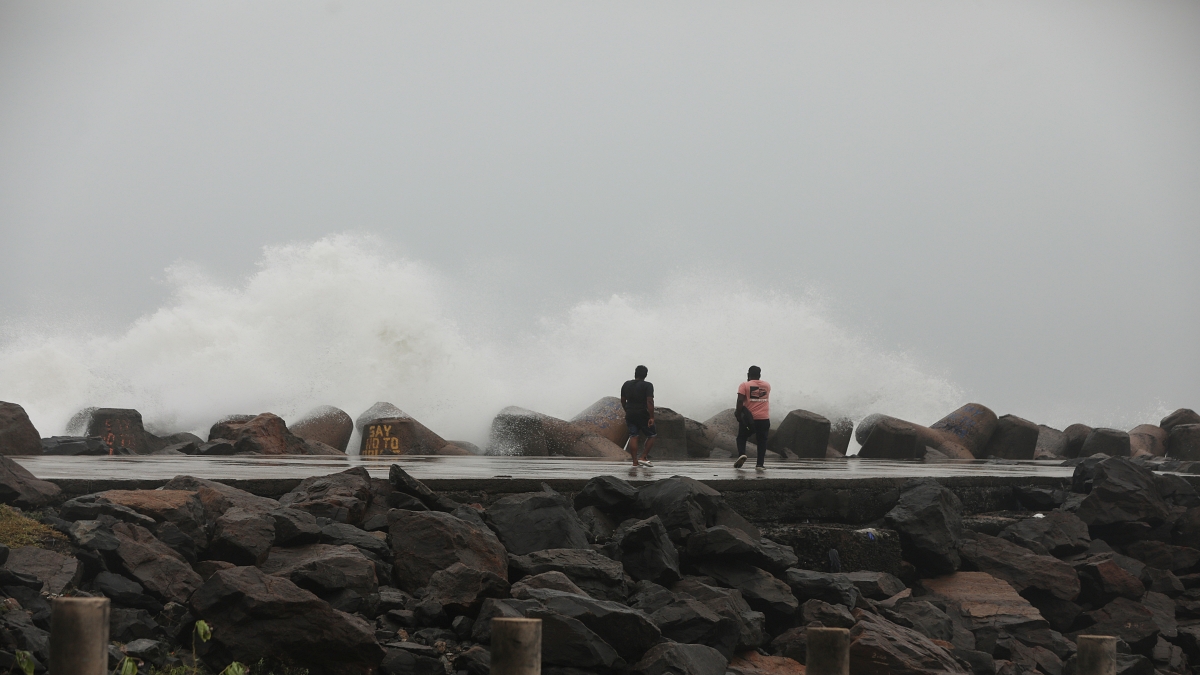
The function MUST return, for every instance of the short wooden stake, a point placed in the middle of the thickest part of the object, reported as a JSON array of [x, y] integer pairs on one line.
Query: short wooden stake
[[828, 651], [1097, 655], [516, 647], [79, 636]]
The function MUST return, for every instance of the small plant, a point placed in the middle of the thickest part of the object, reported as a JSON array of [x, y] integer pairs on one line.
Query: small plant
[[127, 666], [17, 530], [24, 661], [235, 668]]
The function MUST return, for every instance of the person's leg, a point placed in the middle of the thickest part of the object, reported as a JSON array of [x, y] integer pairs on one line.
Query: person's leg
[[761, 427], [632, 447], [649, 446], [742, 437]]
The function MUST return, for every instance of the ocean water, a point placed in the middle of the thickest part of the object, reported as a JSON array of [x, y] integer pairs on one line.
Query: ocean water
[[339, 322]]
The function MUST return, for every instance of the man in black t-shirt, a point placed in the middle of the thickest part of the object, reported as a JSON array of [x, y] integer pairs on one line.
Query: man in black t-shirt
[[637, 397]]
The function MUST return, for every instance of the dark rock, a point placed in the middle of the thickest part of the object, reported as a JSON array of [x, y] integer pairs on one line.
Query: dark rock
[[402, 435], [18, 436], [1103, 580], [405, 484], [928, 518], [891, 438], [727, 603], [1109, 442], [1175, 490], [254, 615], [605, 418], [535, 521], [1051, 443], [672, 658], [1037, 498], [324, 569], [646, 551], [730, 543], [400, 661], [1164, 613], [629, 631], [880, 647], [325, 424], [93, 535], [1161, 581], [1020, 567], [792, 643], [265, 434], [474, 661], [567, 642], [552, 580], [20, 488], [835, 589], [177, 539], [1014, 438], [687, 506], [207, 568], [294, 527], [1122, 492], [875, 585], [428, 541], [987, 605], [153, 652], [340, 497], [609, 494], [1164, 556], [1126, 619], [599, 526], [1057, 533], [217, 498], [1179, 417], [481, 630], [684, 619], [217, 448], [372, 546], [177, 622], [1183, 442], [127, 625], [803, 433], [460, 589], [754, 663], [162, 571], [830, 616], [869, 549], [926, 619], [58, 572], [124, 592], [762, 591], [243, 537], [601, 577]]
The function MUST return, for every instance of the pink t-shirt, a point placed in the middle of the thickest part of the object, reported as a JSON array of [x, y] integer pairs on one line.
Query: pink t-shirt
[[757, 392]]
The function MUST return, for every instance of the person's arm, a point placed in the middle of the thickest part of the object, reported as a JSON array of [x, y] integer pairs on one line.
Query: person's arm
[[741, 403], [624, 402], [650, 409]]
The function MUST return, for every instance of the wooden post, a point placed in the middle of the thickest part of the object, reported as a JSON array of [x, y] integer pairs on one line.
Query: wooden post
[[1097, 655], [79, 636], [829, 651], [516, 646]]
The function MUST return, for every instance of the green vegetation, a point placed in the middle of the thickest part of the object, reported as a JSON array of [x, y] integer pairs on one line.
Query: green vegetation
[[17, 530]]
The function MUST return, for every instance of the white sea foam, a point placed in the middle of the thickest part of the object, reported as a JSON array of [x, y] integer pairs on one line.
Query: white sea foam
[[338, 322]]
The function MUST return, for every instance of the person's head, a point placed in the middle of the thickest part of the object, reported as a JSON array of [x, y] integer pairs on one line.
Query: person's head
[[640, 373], [754, 373]]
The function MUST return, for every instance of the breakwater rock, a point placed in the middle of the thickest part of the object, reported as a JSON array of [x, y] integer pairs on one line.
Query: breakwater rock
[[352, 574]]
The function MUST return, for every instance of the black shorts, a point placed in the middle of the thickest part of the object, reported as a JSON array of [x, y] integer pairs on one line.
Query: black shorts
[[640, 426]]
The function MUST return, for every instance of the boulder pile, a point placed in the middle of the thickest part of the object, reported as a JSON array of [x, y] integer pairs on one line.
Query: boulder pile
[[350, 574]]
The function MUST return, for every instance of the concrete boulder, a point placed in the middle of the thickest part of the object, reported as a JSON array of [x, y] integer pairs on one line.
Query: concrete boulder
[[1181, 416], [254, 615], [1075, 435], [1051, 443], [1183, 442], [427, 541], [970, 428], [120, 429], [402, 435], [805, 434], [17, 434], [325, 424], [1147, 440], [1110, 442], [604, 418], [517, 431], [265, 434], [1013, 438], [672, 439], [890, 438]]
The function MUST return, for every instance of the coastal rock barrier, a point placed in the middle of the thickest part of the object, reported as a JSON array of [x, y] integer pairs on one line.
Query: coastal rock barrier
[[348, 574]]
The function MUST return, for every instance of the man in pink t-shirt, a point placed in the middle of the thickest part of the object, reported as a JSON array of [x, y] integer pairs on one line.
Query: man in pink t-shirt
[[753, 412]]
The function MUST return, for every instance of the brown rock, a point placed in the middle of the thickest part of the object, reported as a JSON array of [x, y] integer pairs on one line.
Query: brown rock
[[118, 428], [1051, 443], [1126, 619], [460, 589], [20, 488], [326, 424], [1183, 442], [427, 541], [17, 434], [1076, 434], [1165, 556], [1111, 442], [1014, 438], [984, 601], [342, 497], [880, 647], [970, 427], [753, 663], [1147, 440], [58, 572], [604, 418], [155, 565], [181, 507], [217, 498], [891, 438], [324, 569], [242, 537], [1103, 580]]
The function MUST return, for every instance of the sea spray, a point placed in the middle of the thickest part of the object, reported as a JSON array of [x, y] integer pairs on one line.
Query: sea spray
[[341, 321]]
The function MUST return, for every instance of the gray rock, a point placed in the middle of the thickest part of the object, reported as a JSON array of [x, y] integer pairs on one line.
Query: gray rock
[[242, 537], [836, 589], [929, 520], [628, 631], [646, 551], [341, 497], [601, 577], [672, 658], [762, 591], [424, 542], [535, 521], [294, 527]]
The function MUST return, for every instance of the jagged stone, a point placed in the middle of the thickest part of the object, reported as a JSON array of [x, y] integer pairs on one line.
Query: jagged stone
[[552, 580], [535, 521], [598, 575], [20, 488], [762, 591], [880, 647], [672, 658], [427, 541], [875, 585], [729, 603], [1122, 492], [1020, 567], [629, 631], [405, 484], [1126, 619], [929, 520], [609, 494], [460, 589], [294, 527], [830, 616], [1057, 533], [646, 551], [58, 572], [159, 569], [687, 506], [836, 589], [242, 537], [341, 497]]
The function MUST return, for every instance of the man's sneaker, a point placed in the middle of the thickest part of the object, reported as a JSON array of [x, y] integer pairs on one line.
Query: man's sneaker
[[760, 467], [740, 461], [646, 462]]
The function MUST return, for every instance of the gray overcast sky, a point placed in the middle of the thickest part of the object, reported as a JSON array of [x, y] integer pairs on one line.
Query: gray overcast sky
[[1009, 192]]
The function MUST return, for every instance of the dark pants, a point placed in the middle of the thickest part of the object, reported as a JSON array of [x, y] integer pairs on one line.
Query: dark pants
[[761, 427]]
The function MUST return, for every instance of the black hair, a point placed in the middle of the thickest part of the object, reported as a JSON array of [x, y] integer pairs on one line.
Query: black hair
[[755, 371], [640, 371]]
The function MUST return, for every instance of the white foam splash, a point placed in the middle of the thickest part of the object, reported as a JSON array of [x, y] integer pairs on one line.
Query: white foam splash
[[339, 322]]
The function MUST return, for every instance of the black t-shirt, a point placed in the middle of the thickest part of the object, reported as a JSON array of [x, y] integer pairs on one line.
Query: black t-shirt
[[635, 393]]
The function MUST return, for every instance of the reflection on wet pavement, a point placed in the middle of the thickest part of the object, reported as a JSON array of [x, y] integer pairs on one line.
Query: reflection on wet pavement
[[424, 467]]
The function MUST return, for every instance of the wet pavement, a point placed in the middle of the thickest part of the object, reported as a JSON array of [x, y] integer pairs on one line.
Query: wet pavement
[[543, 468]]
